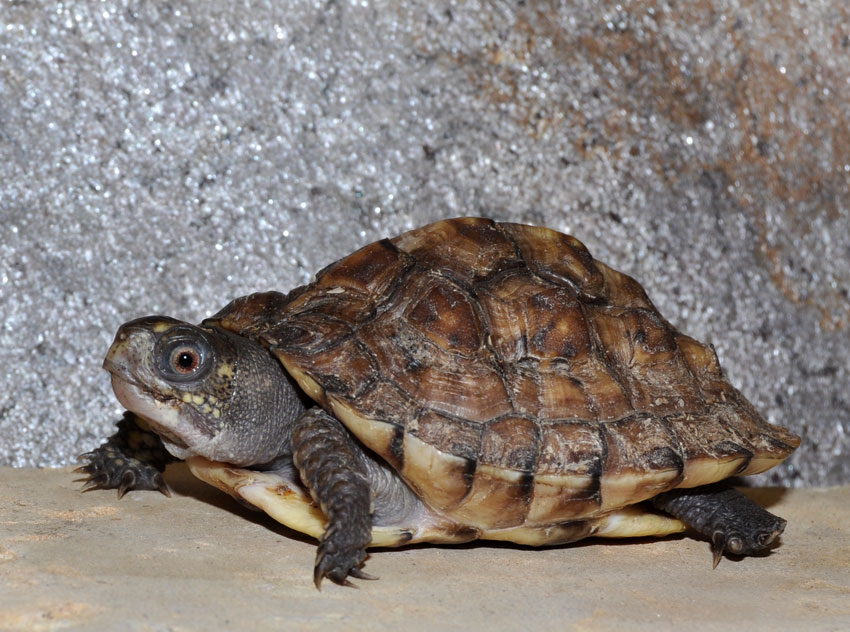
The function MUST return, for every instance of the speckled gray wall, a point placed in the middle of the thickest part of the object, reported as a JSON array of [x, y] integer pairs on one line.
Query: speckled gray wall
[[169, 156]]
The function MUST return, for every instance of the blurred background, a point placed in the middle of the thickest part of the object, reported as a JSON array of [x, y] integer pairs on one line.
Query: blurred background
[[166, 157]]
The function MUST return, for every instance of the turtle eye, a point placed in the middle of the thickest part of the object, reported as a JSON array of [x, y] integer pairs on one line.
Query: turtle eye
[[735, 545], [183, 355]]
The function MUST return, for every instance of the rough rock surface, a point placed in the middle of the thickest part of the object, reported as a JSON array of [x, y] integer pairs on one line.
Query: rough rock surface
[[167, 157]]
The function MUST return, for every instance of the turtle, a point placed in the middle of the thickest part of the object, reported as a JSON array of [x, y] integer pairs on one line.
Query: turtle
[[468, 379]]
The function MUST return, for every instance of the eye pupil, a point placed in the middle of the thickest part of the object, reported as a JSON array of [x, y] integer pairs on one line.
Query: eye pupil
[[185, 360]]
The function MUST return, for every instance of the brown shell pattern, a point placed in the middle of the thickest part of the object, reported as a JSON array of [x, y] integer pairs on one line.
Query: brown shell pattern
[[510, 377]]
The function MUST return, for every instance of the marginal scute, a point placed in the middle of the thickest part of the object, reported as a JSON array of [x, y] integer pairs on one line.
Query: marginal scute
[[378, 435], [574, 448], [442, 479], [498, 498], [569, 465], [252, 315], [385, 400], [643, 458], [510, 443], [623, 290], [712, 450], [308, 334], [448, 434], [345, 369]]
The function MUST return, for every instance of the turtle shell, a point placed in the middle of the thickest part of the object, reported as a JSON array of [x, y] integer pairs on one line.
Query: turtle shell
[[510, 378]]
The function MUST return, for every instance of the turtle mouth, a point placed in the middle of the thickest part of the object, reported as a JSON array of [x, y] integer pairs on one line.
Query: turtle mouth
[[162, 414], [119, 373]]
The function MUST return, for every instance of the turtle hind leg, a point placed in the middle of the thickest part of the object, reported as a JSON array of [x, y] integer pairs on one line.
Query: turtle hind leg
[[132, 458], [732, 522]]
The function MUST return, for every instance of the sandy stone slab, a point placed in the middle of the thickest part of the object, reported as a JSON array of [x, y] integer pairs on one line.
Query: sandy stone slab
[[199, 561]]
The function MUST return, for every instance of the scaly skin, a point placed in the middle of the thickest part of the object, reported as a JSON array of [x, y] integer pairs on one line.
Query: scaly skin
[[733, 522]]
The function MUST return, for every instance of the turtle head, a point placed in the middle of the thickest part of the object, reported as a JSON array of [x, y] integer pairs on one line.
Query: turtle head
[[204, 391]]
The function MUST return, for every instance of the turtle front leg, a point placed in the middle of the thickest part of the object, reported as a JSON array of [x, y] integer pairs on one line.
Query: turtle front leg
[[331, 467], [132, 458], [733, 522]]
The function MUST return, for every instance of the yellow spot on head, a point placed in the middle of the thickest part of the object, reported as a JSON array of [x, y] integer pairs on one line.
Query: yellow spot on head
[[216, 412], [225, 370], [187, 397], [158, 328], [198, 399]]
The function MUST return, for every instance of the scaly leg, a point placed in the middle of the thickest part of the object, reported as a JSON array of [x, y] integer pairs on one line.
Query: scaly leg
[[732, 522], [332, 467]]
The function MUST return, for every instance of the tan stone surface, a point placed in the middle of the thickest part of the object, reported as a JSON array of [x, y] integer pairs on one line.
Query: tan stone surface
[[198, 561]]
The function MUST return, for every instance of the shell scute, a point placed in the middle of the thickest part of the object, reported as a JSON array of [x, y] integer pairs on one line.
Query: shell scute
[[574, 448], [346, 368], [466, 249], [445, 315], [559, 326], [608, 397], [623, 290], [559, 394], [568, 471], [444, 381], [368, 271], [558, 257], [643, 350]]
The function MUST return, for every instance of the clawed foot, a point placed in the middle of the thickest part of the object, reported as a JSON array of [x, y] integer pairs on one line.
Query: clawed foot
[[132, 458], [338, 563], [743, 542], [107, 468], [732, 522]]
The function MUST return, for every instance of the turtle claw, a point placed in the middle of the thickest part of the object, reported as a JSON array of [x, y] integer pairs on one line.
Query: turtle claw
[[718, 545], [161, 487], [128, 479], [361, 574], [95, 481], [338, 565]]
